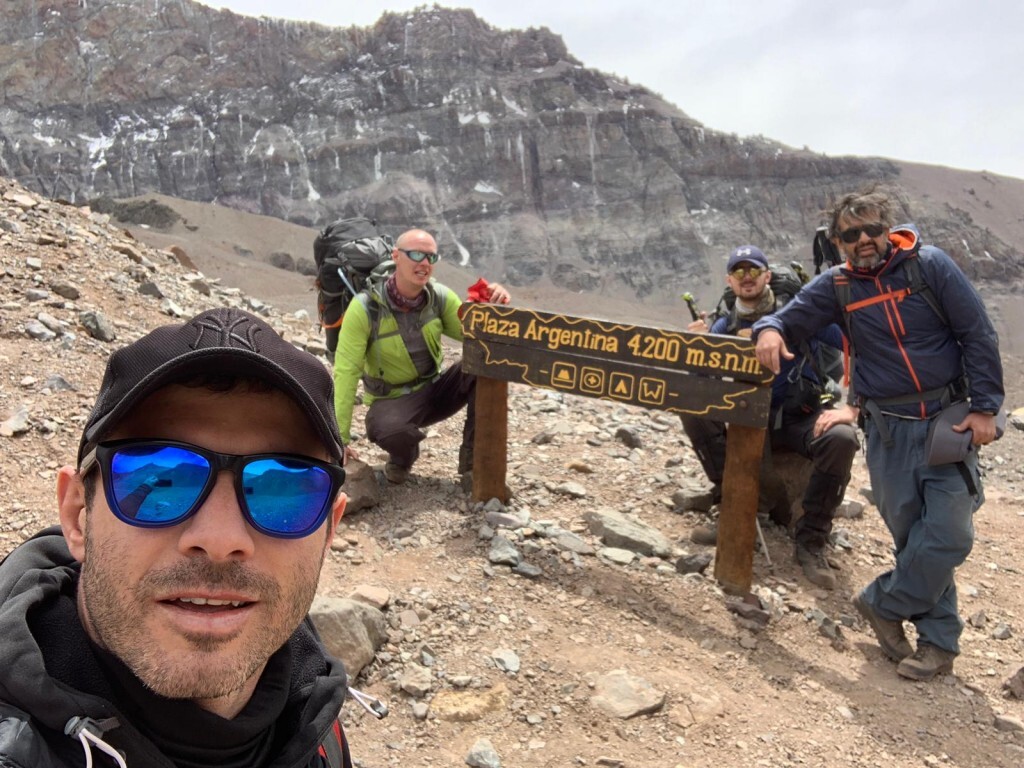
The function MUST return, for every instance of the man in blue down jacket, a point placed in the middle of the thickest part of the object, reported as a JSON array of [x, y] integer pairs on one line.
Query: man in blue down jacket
[[163, 624], [910, 360]]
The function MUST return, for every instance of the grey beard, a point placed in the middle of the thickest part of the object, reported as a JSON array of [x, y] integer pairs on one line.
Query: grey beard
[[866, 262]]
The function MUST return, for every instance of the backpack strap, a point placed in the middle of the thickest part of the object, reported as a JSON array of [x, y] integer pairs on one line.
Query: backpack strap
[[956, 389], [333, 749], [436, 302], [733, 323], [919, 285]]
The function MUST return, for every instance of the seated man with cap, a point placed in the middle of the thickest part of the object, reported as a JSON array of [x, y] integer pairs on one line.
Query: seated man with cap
[[165, 621], [799, 419]]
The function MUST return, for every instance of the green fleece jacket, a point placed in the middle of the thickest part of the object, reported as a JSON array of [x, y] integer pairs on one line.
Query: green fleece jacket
[[384, 358]]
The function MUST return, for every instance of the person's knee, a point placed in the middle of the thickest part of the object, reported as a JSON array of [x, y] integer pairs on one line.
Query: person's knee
[[955, 534], [834, 450], [841, 438], [387, 425], [947, 522], [702, 431], [465, 383]]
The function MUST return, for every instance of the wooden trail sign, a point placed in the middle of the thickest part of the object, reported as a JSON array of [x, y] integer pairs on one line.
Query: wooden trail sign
[[706, 375]]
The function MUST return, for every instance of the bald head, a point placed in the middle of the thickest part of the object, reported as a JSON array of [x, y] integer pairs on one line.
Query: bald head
[[415, 254], [416, 240]]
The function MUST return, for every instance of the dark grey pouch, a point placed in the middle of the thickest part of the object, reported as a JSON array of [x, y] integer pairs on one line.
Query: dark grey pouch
[[944, 446]]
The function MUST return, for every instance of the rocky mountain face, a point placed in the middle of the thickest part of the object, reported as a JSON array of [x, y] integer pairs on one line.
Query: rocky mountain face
[[527, 164]]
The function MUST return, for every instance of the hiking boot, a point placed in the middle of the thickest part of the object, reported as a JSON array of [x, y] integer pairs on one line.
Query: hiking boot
[[465, 459], [705, 534], [926, 662], [890, 634], [396, 474], [816, 567]]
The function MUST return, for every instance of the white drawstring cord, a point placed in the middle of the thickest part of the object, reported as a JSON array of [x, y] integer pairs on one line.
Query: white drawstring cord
[[89, 732], [86, 736], [371, 704]]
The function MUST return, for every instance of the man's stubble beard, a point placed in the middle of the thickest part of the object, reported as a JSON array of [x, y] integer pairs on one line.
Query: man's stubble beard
[[113, 613]]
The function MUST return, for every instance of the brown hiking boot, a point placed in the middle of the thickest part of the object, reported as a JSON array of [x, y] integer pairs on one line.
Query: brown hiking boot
[[396, 474], [890, 634], [926, 662], [705, 534], [816, 567]]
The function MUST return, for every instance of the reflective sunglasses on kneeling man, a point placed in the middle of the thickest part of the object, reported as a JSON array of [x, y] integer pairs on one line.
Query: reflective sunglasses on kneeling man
[[419, 256]]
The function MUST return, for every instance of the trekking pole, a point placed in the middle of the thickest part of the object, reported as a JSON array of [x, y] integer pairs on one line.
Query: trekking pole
[[764, 544], [692, 304]]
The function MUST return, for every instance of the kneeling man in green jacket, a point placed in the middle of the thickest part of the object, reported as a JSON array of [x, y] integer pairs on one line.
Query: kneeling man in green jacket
[[391, 338]]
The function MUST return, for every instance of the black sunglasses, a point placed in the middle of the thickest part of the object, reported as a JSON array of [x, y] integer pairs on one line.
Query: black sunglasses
[[159, 483], [419, 256], [852, 235]]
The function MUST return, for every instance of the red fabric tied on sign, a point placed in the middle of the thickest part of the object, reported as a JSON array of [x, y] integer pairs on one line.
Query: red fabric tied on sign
[[479, 292]]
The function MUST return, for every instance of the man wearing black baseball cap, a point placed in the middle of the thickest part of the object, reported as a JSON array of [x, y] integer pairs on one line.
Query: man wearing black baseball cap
[[165, 622]]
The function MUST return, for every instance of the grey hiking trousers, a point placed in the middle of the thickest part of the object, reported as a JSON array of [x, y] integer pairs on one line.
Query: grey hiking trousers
[[395, 424], [929, 512]]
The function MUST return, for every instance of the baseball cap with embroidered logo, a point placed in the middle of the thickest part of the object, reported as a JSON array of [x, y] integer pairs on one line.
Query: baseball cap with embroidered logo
[[225, 341], [747, 254]]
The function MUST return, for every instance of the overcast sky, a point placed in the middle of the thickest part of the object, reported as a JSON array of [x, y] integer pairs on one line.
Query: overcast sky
[[930, 81]]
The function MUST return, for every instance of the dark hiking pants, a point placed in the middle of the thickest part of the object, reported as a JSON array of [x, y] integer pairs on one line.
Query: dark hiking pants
[[396, 424]]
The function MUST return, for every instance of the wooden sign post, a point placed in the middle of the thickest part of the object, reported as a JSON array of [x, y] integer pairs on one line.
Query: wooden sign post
[[700, 374]]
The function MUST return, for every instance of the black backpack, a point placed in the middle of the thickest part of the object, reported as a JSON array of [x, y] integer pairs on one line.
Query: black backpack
[[346, 252], [333, 751], [825, 252]]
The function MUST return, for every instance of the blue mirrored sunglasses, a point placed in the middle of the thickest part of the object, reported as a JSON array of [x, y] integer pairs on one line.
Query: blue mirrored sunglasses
[[159, 483], [419, 256]]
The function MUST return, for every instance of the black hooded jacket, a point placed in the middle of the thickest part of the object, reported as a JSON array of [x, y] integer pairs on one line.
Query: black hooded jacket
[[53, 678]]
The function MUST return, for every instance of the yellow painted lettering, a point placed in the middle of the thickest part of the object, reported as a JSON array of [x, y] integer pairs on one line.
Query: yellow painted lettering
[[695, 357], [750, 365]]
